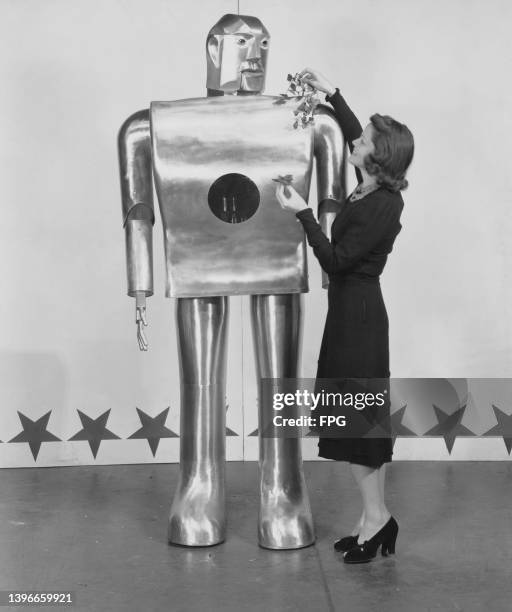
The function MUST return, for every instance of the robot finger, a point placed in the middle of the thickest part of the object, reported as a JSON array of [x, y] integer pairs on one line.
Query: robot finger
[[143, 316], [143, 339]]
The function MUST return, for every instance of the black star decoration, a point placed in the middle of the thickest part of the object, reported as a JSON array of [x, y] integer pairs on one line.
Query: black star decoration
[[392, 427], [34, 432], [449, 426], [397, 428], [153, 429], [255, 433], [380, 429], [94, 431], [229, 432], [503, 428]]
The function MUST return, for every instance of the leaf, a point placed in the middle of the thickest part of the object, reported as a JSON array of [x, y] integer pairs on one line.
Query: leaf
[[284, 180]]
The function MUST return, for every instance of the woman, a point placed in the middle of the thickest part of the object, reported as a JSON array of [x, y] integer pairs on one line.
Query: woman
[[355, 340]]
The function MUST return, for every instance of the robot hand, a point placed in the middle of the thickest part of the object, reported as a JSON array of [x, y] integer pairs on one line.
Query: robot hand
[[140, 320]]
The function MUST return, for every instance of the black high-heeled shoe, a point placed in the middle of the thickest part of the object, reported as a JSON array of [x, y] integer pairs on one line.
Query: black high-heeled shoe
[[385, 537], [346, 543]]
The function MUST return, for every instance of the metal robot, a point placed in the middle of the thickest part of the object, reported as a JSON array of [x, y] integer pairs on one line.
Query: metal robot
[[212, 160]]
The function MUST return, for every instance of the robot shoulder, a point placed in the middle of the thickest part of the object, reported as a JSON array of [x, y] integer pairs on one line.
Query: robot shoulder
[[135, 127], [326, 126], [134, 149]]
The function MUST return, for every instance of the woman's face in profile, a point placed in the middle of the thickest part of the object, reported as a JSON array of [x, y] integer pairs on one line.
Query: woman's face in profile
[[362, 147]]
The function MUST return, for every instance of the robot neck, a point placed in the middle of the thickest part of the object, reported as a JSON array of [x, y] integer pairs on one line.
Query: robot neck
[[217, 92]]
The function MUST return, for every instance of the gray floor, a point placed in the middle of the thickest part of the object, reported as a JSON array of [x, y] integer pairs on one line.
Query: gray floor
[[100, 531]]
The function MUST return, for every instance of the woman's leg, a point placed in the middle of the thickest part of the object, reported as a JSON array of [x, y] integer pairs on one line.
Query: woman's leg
[[383, 507], [368, 480], [382, 479], [359, 525]]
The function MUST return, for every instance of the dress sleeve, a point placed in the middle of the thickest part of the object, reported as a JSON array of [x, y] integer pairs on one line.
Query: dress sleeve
[[367, 226], [348, 122]]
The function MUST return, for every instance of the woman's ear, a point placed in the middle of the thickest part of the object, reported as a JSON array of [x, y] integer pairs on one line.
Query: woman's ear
[[212, 44]]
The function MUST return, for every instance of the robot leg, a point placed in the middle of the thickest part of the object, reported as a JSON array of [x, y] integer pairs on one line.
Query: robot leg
[[285, 519], [198, 514]]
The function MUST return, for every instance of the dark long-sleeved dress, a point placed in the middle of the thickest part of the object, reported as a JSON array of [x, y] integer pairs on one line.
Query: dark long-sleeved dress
[[355, 342]]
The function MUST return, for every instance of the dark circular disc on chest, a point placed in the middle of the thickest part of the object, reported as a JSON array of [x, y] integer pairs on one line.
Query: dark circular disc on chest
[[233, 198]]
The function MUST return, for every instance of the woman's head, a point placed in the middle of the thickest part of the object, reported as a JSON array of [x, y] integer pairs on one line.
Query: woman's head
[[385, 149]]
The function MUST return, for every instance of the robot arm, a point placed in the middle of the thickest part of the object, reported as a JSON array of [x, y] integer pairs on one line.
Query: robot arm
[[329, 149], [134, 145]]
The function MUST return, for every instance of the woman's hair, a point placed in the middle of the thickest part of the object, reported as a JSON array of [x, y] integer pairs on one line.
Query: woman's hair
[[394, 149]]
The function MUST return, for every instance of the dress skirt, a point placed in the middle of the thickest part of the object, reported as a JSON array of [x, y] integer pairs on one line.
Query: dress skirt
[[355, 344]]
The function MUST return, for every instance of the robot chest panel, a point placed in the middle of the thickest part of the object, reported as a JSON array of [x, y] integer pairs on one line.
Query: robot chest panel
[[214, 160]]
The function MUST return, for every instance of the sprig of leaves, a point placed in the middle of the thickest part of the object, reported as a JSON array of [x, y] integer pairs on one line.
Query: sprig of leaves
[[297, 89]]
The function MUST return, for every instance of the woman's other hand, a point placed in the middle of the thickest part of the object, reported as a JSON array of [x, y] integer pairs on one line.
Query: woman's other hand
[[290, 199], [317, 80]]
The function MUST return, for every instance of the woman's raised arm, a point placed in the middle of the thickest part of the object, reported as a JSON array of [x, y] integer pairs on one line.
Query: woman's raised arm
[[348, 122]]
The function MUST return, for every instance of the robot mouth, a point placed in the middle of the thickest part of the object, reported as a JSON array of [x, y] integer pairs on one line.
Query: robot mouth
[[252, 72]]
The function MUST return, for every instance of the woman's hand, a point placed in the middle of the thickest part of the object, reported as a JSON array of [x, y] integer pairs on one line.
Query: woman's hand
[[290, 199], [317, 80]]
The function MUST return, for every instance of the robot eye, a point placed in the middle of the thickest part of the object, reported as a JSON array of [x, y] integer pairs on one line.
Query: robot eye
[[264, 43], [242, 42]]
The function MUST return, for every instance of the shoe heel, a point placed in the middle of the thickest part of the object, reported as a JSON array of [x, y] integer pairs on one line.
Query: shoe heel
[[388, 547]]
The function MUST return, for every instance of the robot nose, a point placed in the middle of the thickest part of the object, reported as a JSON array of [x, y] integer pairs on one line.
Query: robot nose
[[254, 52]]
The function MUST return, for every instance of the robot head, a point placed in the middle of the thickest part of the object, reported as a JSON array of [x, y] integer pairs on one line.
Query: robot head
[[236, 54]]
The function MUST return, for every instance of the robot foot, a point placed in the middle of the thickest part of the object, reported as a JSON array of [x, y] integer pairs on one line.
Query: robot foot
[[197, 519], [285, 523]]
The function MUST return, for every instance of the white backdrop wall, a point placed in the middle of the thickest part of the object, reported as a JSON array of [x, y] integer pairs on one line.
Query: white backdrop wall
[[71, 72]]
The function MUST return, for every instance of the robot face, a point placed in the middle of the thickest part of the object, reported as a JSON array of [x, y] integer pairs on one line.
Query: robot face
[[236, 53]]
